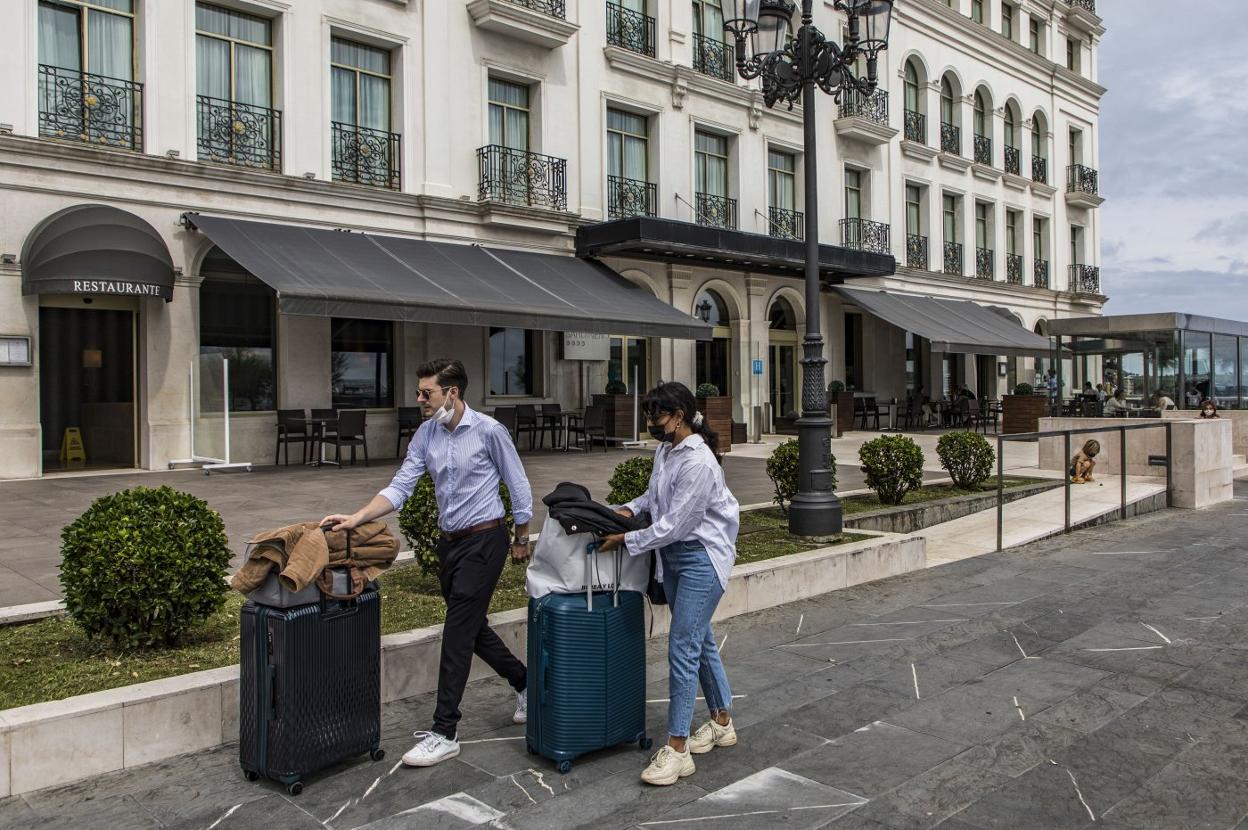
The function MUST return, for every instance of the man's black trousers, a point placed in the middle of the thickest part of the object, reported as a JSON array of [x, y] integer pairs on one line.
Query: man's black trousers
[[470, 570]]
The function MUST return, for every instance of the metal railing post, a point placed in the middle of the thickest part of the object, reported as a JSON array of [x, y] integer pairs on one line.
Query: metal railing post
[[1169, 467], [1000, 491], [1066, 477], [1122, 464]]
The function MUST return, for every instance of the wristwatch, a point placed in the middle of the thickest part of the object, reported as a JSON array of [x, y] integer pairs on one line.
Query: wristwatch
[[520, 540]]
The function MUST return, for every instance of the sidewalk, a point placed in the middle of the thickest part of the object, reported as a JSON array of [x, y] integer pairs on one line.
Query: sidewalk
[[1095, 680]]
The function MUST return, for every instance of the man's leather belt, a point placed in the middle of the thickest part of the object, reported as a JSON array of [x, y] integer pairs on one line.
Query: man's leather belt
[[456, 535]]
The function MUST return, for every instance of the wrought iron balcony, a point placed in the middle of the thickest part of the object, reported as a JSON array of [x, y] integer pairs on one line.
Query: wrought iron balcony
[[1040, 273], [554, 8], [715, 211], [1089, 5], [983, 150], [1014, 269], [1039, 169], [715, 58], [873, 107], [916, 127], [786, 224], [950, 139], [1013, 160], [630, 30], [241, 134], [865, 235], [365, 156], [916, 252], [630, 197], [519, 177], [1085, 279], [1080, 179], [984, 261], [953, 258], [96, 109]]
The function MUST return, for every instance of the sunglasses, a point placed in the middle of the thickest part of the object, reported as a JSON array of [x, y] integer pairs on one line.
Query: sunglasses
[[424, 394]]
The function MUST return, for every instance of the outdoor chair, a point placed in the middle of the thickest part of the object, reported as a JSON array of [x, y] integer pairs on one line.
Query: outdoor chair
[[960, 414], [977, 415], [592, 424], [550, 422], [908, 413], [292, 429], [410, 418], [350, 433], [506, 415], [870, 410], [528, 422]]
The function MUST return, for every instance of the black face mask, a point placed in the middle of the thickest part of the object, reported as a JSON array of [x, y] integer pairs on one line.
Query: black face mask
[[657, 433]]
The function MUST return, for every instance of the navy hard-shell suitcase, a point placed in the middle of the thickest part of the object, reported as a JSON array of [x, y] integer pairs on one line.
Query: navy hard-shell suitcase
[[587, 674], [310, 686]]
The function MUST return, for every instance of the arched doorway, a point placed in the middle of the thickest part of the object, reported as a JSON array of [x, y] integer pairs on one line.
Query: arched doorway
[[713, 356], [782, 358]]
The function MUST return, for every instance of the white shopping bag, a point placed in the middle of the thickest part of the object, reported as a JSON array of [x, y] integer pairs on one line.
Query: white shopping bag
[[560, 564]]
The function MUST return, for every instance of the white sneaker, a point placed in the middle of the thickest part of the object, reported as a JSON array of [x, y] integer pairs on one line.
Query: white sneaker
[[522, 707], [668, 766], [431, 749], [711, 735]]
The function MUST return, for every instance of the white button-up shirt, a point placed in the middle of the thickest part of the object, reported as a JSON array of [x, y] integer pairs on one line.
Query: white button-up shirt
[[688, 501], [466, 464]]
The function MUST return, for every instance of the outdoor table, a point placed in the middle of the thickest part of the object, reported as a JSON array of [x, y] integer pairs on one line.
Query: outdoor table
[[891, 406], [566, 417], [319, 425]]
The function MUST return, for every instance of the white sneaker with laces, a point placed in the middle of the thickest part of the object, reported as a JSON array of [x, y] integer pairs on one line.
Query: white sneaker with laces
[[668, 766], [522, 707], [431, 749], [711, 735]]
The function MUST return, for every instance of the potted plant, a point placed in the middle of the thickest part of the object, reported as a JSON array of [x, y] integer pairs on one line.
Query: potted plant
[[717, 410], [1022, 411], [787, 424], [843, 400]]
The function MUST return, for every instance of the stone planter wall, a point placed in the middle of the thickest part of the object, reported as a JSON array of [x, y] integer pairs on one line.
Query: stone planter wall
[[913, 518]]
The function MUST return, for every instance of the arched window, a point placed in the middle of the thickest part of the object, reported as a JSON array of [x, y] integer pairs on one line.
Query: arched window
[[914, 100], [713, 357], [946, 101], [981, 114], [1011, 127], [781, 317]]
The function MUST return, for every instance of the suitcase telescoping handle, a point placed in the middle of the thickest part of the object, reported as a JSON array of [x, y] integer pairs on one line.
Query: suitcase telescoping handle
[[590, 550], [346, 605]]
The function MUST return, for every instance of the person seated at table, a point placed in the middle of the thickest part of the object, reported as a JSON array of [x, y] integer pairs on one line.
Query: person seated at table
[[1088, 391], [1102, 392], [1117, 405], [1192, 396], [965, 392], [925, 406], [1084, 461], [1162, 401], [1208, 409]]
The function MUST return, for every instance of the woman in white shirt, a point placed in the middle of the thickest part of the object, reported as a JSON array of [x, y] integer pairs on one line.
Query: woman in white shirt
[[694, 534]]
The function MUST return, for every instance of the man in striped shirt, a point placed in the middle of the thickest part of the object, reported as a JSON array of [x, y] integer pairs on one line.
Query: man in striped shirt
[[467, 454]]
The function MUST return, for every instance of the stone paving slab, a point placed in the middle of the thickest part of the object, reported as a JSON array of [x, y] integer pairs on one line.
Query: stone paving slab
[[1093, 680]]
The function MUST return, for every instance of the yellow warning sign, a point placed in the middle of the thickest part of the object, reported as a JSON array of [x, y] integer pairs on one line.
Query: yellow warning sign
[[71, 447]]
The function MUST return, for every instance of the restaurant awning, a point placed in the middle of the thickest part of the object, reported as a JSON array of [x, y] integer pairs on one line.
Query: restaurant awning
[[336, 273], [950, 325]]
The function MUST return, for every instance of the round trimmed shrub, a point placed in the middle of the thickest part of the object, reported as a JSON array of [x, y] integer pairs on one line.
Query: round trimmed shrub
[[418, 522], [836, 387], [782, 469], [967, 456], [616, 387], [1024, 389], [630, 479], [707, 390], [894, 467], [143, 566]]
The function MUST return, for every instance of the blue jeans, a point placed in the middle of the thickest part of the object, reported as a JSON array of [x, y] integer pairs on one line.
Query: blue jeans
[[693, 591]]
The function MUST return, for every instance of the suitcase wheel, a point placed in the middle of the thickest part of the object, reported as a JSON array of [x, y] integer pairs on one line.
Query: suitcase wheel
[[565, 767], [377, 754], [644, 742], [295, 788], [251, 775], [529, 748]]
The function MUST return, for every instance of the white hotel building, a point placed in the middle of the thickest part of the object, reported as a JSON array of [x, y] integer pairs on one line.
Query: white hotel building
[[330, 191]]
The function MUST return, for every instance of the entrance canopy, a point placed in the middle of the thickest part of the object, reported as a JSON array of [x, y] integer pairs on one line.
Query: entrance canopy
[[96, 249], [335, 273], [951, 325]]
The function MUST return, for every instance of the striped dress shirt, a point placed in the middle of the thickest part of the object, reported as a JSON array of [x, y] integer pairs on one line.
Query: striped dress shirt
[[466, 465]]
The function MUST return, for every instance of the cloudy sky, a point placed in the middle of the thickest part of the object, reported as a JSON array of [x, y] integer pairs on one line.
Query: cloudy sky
[[1174, 156]]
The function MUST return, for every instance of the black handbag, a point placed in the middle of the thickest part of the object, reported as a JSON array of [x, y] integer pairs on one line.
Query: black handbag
[[654, 588]]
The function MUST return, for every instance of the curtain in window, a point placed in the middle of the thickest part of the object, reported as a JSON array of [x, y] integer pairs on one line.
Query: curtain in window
[[912, 88], [708, 19], [212, 67], [853, 194], [58, 37], [627, 146], [374, 102], [712, 166], [109, 38], [946, 101], [342, 95], [509, 116], [980, 114], [252, 79], [780, 180]]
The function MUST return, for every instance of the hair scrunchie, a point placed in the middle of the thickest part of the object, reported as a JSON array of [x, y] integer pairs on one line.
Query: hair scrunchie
[[697, 420]]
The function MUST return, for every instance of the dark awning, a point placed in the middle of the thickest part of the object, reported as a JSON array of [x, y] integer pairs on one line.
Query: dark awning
[[96, 249], [950, 325], [668, 240], [334, 273]]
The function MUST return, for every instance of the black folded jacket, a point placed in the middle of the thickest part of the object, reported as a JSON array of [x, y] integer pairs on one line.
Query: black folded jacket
[[571, 506]]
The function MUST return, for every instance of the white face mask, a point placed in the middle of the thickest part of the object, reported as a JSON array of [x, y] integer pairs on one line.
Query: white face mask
[[1208, 413], [445, 414]]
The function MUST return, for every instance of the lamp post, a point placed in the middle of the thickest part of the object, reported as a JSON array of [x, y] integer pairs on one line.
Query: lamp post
[[790, 69]]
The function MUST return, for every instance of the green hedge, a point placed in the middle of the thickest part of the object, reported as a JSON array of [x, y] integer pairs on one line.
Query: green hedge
[[894, 467], [630, 479], [967, 456], [418, 522], [782, 469]]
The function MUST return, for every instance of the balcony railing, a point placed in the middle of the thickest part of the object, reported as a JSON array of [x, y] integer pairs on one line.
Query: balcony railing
[[953, 258], [630, 197], [1040, 273], [630, 30], [865, 235], [245, 135], [715, 211], [1014, 269], [786, 224], [983, 150], [1085, 279], [1089, 5], [1013, 160], [365, 156], [916, 127], [80, 106], [715, 58], [950, 139], [873, 107], [518, 177], [1080, 179], [984, 259], [1039, 169], [554, 8], [916, 252]]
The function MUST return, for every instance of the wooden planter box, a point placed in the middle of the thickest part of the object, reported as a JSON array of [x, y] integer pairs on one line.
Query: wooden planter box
[[738, 433], [718, 414], [620, 416], [844, 402], [785, 426], [1022, 413]]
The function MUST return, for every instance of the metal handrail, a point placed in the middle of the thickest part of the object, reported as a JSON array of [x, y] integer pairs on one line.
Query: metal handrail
[[1066, 434]]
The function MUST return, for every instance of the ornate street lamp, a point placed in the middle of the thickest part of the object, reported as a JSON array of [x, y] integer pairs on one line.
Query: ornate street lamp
[[790, 67]]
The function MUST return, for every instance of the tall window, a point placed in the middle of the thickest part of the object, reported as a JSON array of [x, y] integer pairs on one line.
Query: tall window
[[914, 210], [1076, 245], [1011, 128], [782, 357], [1072, 54], [1033, 35], [946, 101], [977, 11], [952, 223], [1037, 137], [912, 88], [711, 164], [1076, 146], [853, 193], [1039, 239], [1011, 232], [781, 180], [708, 19], [628, 142], [712, 355], [361, 84], [983, 225], [236, 314], [234, 84], [513, 360], [77, 36], [980, 123], [1007, 20], [361, 363], [509, 114]]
